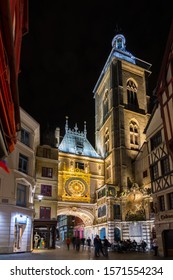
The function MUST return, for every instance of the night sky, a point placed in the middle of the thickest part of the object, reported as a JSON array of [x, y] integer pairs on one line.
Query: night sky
[[67, 46]]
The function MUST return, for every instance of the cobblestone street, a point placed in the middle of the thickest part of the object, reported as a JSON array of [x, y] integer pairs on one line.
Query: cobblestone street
[[61, 253]]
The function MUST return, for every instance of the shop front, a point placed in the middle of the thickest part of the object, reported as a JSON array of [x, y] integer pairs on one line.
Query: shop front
[[44, 234]]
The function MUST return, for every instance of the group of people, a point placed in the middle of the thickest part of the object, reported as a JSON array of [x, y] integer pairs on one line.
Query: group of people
[[77, 242], [100, 246]]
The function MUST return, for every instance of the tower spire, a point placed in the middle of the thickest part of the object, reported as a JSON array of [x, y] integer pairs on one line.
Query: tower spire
[[85, 131], [66, 124]]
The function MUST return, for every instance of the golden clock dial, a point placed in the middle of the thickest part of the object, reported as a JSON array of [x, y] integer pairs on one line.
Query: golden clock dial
[[76, 187]]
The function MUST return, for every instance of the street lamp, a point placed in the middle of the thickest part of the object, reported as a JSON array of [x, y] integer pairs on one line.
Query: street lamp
[[164, 92], [40, 197]]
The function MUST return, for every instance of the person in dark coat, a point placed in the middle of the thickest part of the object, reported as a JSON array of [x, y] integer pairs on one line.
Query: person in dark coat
[[96, 245], [78, 242], [105, 246], [88, 242]]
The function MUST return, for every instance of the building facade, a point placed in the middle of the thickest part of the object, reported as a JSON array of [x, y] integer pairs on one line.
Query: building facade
[[45, 197], [164, 91], [17, 188], [161, 173], [81, 173]]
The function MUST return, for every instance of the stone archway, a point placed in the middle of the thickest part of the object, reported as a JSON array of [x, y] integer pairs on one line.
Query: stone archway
[[83, 213]]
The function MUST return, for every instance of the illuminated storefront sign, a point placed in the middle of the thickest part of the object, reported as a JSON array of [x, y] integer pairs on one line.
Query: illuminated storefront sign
[[21, 219]]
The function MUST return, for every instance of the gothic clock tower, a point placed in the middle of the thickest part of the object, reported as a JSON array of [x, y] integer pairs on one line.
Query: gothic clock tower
[[121, 113]]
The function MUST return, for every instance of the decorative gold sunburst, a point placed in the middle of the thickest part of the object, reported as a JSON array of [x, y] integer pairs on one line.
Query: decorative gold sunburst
[[76, 188]]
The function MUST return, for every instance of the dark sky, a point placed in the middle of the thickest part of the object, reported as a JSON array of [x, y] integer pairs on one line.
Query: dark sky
[[67, 46]]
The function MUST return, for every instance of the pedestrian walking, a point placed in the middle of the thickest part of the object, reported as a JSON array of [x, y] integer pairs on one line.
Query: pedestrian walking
[[88, 242], [68, 241], [78, 242], [143, 245], [74, 242], [155, 246], [96, 246], [101, 247], [106, 244]]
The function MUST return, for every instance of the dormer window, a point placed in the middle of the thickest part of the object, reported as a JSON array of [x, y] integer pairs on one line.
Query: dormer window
[[79, 145]]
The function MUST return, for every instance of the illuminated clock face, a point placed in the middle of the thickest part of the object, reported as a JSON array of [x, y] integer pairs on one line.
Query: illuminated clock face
[[76, 187]]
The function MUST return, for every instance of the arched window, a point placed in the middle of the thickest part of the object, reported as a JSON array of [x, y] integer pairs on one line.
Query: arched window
[[134, 134], [105, 104], [106, 141], [132, 93]]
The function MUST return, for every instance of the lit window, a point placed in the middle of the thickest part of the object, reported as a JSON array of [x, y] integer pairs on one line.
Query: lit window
[[105, 104], [134, 134], [132, 93], [106, 140]]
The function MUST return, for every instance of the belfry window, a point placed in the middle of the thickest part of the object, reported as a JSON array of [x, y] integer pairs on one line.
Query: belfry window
[[132, 93], [106, 140], [105, 104], [134, 133]]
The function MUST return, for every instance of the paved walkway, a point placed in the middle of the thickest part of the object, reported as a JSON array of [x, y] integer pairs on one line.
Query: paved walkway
[[61, 253]]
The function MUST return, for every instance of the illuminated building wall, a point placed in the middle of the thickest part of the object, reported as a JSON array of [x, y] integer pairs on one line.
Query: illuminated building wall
[[17, 188]]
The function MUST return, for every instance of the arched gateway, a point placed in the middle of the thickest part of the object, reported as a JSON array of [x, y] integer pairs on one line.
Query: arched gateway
[[79, 211]]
